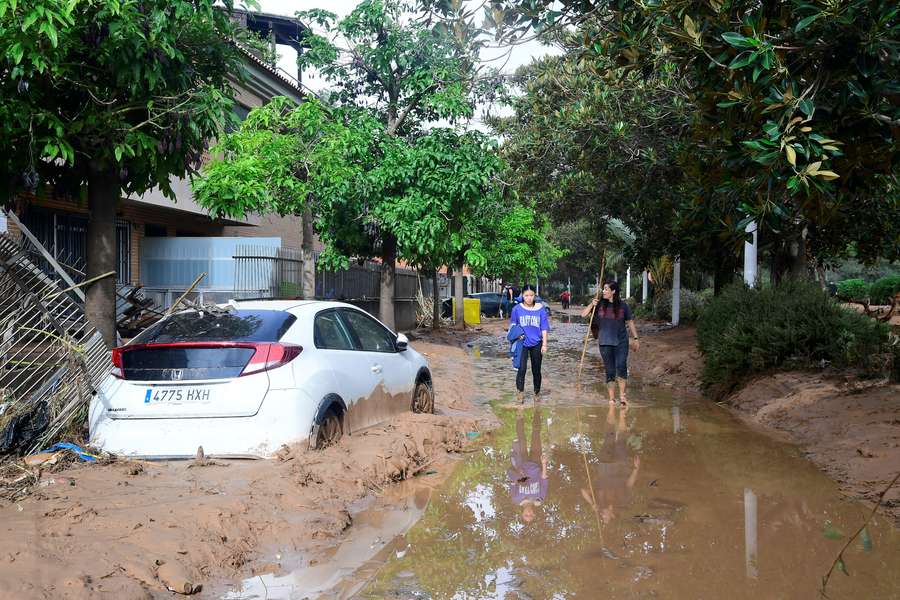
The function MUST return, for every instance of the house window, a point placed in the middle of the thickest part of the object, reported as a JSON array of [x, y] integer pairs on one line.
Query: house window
[[64, 236], [123, 252]]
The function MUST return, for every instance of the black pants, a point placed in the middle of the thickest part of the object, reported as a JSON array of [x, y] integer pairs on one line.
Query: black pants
[[615, 359], [535, 353]]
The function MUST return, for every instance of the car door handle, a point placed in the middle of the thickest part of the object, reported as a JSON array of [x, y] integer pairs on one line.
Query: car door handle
[[376, 368]]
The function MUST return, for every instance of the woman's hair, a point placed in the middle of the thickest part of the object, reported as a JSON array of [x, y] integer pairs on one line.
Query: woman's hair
[[616, 301], [528, 288]]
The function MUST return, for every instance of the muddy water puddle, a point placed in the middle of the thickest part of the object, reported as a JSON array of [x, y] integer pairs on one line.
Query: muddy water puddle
[[670, 498]]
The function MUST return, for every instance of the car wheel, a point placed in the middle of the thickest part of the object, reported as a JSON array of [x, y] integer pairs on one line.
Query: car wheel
[[423, 398], [330, 430]]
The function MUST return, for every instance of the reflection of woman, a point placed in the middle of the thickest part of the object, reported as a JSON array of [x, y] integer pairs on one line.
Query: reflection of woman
[[527, 477], [615, 472]]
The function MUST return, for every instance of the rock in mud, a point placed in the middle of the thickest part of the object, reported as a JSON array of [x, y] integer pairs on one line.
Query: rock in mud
[[176, 579]]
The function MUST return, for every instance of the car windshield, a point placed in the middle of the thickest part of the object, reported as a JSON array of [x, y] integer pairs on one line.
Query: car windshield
[[219, 326]]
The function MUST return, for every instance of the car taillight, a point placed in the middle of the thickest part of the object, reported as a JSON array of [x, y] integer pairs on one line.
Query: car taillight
[[117, 363], [270, 356]]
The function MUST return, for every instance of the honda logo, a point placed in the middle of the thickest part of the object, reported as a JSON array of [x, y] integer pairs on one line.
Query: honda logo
[[176, 374]]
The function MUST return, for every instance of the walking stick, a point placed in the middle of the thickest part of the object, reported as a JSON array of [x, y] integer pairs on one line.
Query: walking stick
[[587, 335]]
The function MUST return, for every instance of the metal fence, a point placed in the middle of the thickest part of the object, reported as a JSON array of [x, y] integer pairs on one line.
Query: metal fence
[[267, 272], [51, 357]]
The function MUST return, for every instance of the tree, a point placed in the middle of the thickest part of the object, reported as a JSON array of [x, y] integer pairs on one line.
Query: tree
[[427, 194], [115, 96], [521, 246], [591, 153], [795, 105], [395, 60]]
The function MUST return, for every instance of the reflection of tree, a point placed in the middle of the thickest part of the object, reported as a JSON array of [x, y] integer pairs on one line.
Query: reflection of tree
[[202, 326]]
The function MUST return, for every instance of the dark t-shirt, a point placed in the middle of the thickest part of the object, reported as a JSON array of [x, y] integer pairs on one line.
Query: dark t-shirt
[[612, 323]]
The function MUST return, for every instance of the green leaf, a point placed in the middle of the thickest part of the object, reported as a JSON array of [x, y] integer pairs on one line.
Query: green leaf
[[772, 130], [756, 71], [866, 540], [804, 23], [830, 531], [118, 153], [842, 567], [807, 107], [742, 60], [739, 41]]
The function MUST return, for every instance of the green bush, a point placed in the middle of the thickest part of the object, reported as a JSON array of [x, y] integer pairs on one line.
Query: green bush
[[692, 304], [856, 290], [884, 289], [746, 331]]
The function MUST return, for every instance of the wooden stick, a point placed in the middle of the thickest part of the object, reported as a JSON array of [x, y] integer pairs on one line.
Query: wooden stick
[[186, 292], [587, 470], [78, 285], [587, 334]]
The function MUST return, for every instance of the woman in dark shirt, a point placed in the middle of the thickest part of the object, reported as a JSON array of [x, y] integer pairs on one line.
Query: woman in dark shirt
[[613, 319]]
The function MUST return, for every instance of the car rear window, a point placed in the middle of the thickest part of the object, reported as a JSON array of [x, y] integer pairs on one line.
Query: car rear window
[[231, 326]]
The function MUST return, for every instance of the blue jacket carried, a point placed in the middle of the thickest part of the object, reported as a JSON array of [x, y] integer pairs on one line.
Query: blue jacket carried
[[513, 336]]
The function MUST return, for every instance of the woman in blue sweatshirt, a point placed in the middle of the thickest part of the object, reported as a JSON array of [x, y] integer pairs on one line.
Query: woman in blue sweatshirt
[[532, 318]]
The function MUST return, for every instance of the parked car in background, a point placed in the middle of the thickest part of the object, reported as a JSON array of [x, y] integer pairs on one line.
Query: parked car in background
[[246, 378]]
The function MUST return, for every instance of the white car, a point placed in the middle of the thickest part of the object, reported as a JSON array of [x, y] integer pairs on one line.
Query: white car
[[249, 377]]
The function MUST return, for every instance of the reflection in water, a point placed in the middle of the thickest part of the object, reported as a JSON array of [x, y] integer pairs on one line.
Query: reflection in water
[[658, 513], [750, 538], [615, 470], [528, 483]]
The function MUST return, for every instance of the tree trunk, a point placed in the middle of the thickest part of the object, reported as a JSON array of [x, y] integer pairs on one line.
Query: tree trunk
[[436, 295], [308, 274], [100, 296], [458, 294], [388, 272]]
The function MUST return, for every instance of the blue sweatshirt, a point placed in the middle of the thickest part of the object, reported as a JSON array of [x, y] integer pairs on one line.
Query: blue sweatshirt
[[532, 321]]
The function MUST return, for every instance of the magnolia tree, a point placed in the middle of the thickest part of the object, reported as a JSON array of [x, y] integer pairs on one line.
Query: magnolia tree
[[111, 98], [794, 110]]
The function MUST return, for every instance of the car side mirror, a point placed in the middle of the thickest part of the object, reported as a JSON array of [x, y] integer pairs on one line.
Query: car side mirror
[[402, 342]]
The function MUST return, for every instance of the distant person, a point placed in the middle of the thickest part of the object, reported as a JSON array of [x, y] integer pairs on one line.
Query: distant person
[[506, 302], [532, 318], [615, 470], [565, 297], [612, 321], [527, 475]]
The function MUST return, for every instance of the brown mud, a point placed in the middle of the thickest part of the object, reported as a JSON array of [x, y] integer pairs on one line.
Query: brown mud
[[135, 529]]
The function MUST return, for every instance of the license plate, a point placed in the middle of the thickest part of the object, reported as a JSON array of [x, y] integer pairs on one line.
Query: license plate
[[180, 395]]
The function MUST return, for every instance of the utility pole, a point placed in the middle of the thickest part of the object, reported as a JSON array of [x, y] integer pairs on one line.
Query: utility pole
[[750, 249], [676, 292]]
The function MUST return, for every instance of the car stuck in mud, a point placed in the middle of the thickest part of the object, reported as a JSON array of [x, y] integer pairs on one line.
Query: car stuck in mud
[[246, 378]]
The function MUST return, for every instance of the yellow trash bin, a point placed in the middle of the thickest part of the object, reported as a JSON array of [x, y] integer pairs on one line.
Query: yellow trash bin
[[471, 310]]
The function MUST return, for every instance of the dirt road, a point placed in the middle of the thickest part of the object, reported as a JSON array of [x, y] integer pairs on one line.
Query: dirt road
[[133, 529]]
